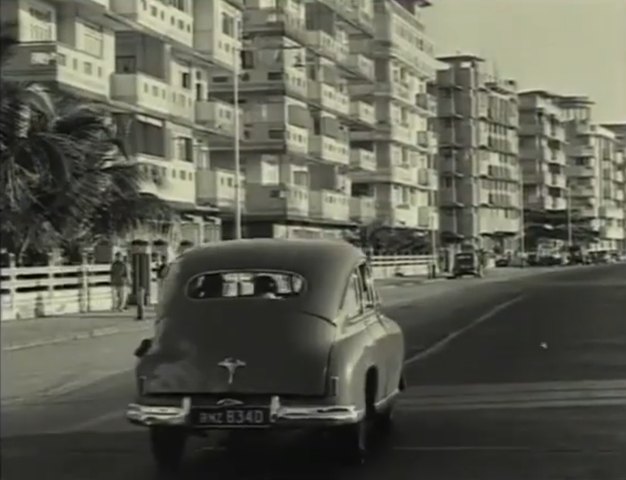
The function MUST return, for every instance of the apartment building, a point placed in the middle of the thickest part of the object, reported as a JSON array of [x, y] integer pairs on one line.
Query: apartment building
[[297, 115], [543, 163], [404, 182], [595, 177], [480, 194], [619, 129], [149, 62]]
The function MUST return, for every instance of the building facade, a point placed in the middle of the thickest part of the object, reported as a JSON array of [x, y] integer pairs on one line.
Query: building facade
[[543, 161], [619, 129], [148, 62], [479, 168], [595, 177], [404, 183]]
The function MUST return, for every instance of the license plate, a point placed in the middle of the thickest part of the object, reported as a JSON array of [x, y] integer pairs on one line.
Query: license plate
[[231, 417]]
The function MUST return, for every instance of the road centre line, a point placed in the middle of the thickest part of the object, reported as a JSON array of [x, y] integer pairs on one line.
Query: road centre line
[[438, 346]]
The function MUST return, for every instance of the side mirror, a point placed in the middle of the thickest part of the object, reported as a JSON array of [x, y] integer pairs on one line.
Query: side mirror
[[143, 347]]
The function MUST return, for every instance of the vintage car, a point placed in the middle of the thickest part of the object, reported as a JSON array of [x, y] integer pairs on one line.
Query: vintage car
[[467, 263], [268, 334]]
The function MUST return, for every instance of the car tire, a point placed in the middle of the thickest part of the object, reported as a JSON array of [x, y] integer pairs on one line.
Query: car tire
[[168, 447], [384, 419]]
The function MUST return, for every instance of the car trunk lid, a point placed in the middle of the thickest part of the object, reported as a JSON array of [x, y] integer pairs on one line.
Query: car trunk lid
[[252, 346]]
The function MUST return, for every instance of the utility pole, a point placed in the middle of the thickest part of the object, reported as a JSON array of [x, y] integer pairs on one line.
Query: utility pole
[[236, 60]]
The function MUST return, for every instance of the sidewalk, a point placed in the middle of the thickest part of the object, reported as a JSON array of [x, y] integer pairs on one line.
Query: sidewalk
[[20, 334]]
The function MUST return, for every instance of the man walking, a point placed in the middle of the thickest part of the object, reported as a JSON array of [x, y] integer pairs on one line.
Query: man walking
[[120, 278]]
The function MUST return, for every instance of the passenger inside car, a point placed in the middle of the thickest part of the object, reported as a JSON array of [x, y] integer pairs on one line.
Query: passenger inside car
[[265, 287], [211, 286]]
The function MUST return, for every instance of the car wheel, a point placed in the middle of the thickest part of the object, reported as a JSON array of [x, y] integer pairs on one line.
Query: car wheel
[[384, 419], [168, 447]]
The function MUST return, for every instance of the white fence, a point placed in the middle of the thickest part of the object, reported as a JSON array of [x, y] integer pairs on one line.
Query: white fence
[[29, 292]]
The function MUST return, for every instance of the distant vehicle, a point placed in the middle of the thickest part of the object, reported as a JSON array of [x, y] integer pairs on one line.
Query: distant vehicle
[[467, 263], [267, 334]]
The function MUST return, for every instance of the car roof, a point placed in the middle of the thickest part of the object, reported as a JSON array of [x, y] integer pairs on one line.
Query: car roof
[[324, 264]]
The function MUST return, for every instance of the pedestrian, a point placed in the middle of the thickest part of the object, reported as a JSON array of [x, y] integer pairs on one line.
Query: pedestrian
[[120, 278], [161, 271]]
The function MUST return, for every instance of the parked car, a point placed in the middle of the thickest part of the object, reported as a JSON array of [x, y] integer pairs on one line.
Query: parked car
[[467, 263], [268, 334]]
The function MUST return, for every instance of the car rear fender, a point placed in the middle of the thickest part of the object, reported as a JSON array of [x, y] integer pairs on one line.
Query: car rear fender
[[350, 358]]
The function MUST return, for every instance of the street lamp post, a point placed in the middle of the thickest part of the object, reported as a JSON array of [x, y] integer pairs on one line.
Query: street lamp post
[[236, 60], [433, 241], [522, 232], [569, 216]]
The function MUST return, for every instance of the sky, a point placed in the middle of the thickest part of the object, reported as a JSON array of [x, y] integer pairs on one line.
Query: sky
[[571, 47]]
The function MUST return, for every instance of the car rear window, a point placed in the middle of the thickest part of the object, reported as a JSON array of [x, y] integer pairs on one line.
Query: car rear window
[[245, 284]]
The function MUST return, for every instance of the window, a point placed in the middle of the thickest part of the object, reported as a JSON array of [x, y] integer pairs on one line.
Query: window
[[245, 284], [247, 59], [228, 25], [92, 40], [367, 284], [185, 80], [352, 302], [275, 134], [125, 64]]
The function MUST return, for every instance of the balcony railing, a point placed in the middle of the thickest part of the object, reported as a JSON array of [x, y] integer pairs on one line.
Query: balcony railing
[[142, 90], [581, 151], [427, 102], [217, 187], [275, 20], [172, 180], [362, 64], [364, 112], [362, 209], [364, 160], [329, 149], [328, 46], [277, 199], [182, 103], [159, 17], [330, 205], [51, 61], [217, 115]]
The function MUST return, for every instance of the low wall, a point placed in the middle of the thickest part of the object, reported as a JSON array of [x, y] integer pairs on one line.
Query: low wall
[[30, 292]]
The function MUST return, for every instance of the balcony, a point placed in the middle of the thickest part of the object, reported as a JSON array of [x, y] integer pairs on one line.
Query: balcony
[[555, 203], [277, 200], [217, 187], [427, 218], [171, 180], [182, 104], [330, 205], [363, 65], [581, 171], [427, 140], [556, 181], [362, 209], [329, 149], [401, 215], [612, 232], [397, 90], [393, 130], [363, 160], [427, 178], [328, 46], [55, 62], [427, 103], [364, 112], [217, 115], [613, 212], [141, 90], [329, 97], [159, 17], [581, 151], [400, 174], [275, 20]]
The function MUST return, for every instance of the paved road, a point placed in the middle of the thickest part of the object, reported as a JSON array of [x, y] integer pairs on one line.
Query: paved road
[[513, 380]]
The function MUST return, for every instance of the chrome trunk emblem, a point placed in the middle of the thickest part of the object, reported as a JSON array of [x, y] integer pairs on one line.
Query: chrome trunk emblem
[[231, 364], [228, 402]]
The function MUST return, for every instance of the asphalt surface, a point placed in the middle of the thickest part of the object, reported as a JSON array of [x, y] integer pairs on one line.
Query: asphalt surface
[[508, 380]]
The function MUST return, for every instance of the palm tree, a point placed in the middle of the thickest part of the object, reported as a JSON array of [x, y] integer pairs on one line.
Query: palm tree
[[65, 178]]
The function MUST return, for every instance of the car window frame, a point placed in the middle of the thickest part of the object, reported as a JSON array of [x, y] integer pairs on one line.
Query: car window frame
[[365, 273], [353, 280], [187, 283]]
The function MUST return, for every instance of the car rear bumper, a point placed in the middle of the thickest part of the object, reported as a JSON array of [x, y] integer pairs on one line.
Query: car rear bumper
[[280, 415]]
